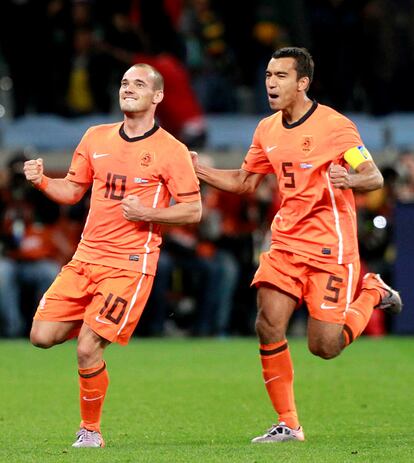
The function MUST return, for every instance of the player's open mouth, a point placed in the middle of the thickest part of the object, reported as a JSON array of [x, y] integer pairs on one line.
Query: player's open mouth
[[273, 96]]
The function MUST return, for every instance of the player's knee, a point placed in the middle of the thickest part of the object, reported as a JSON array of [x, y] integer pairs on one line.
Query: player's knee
[[325, 351], [268, 330], [85, 353], [265, 330], [260, 327], [41, 339]]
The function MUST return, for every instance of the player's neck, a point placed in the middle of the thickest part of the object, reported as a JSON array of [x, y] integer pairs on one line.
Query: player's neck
[[296, 111], [138, 126]]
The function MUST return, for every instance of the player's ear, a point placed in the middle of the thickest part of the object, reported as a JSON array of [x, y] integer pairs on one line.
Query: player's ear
[[303, 84], [158, 97]]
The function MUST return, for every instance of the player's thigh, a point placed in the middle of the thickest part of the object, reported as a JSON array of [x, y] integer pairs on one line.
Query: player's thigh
[[46, 334], [282, 270], [65, 300], [118, 302], [59, 315], [329, 291], [279, 282]]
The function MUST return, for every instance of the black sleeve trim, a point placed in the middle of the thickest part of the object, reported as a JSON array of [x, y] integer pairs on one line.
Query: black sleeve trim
[[188, 194]]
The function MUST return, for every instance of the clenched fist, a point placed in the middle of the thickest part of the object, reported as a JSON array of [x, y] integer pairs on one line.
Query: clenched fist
[[133, 210], [33, 170], [340, 177]]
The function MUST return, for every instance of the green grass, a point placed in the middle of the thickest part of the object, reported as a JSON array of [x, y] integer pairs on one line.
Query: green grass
[[203, 400]]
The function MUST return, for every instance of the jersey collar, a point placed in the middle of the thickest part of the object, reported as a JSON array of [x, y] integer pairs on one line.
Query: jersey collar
[[141, 137], [307, 115]]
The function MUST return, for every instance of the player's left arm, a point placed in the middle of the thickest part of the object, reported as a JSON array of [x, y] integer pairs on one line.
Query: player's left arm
[[177, 214], [366, 175]]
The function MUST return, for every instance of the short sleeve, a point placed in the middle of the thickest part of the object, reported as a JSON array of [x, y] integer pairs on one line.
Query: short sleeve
[[80, 170], [179, 176], [256, 159], [346, 135]]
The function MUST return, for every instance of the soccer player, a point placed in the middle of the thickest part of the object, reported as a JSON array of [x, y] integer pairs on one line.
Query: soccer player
[[135, 168], [314, 251]]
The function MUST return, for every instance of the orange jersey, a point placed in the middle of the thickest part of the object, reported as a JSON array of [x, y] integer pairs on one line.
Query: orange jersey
[[154, 167], [314, 220]]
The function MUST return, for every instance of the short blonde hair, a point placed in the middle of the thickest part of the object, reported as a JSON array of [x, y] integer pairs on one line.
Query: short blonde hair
[[157, 78]]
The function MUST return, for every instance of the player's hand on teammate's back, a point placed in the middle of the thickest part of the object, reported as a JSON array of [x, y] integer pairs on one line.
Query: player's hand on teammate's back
[[204, 159], [194, 158], [339, 177], [33, 170], [132, 209]]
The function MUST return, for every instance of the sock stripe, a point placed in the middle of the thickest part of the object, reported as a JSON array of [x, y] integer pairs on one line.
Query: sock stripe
[[349, 332], [274, 351], [94, 373]]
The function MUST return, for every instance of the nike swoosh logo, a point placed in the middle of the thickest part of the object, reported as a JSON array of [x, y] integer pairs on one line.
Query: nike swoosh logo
[[96, 155], [270, 148], [324, 306], [93, 398], [102, 321], [272, 379]]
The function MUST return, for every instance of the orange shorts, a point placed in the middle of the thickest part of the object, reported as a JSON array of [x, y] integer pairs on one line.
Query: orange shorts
[[109, 300], [327, 289]]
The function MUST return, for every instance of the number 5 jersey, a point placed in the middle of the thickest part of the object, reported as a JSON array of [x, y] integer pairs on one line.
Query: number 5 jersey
[[315, 219]]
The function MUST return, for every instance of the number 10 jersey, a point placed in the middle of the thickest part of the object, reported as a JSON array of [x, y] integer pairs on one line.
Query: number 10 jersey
[[155, 167]]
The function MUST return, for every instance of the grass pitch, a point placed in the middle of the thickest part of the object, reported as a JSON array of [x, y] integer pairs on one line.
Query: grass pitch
[[203, 400]]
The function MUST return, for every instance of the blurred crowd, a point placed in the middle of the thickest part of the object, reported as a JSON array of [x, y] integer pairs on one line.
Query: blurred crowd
[[204, 272], [66, 57]]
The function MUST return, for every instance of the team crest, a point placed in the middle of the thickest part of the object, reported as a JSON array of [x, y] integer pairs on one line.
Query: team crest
[[307, 143], [146, 159]]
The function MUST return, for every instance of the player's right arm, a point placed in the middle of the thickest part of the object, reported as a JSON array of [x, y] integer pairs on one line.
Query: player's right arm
[[60, 190], [238, 181]]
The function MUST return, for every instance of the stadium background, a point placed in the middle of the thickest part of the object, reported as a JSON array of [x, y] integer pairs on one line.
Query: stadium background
[[60, 64]]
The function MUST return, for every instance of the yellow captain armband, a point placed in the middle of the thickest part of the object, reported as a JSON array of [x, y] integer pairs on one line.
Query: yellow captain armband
[[357, 155]]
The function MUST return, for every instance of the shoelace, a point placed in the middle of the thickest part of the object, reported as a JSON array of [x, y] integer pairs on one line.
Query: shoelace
[[282, 427], [84, 435]]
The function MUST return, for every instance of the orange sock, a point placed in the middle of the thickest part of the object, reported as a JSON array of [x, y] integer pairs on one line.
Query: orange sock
[[278, 376], [359, 313], [93, 383]]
